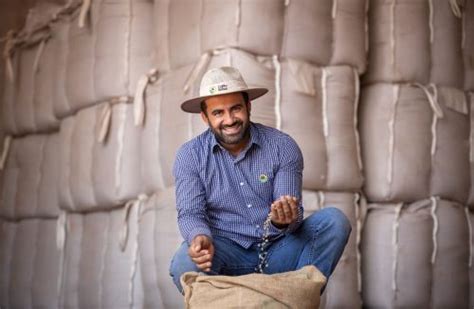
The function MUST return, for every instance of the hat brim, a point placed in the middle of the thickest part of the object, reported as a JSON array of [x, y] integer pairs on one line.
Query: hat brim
[[194, 105]]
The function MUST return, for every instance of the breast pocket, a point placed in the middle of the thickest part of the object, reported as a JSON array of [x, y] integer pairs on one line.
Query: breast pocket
[[263, 184]]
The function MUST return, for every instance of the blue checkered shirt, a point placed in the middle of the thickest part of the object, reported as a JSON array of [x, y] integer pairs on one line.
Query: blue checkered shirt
[[219, 194]]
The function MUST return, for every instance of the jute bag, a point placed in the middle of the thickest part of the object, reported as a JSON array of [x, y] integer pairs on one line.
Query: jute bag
[[295, 289]]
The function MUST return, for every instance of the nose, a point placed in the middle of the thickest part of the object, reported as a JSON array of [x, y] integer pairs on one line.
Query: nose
[[228, 119]]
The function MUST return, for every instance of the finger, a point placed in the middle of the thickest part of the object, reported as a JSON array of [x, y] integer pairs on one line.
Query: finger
[[202, 259], [287, 211], [275, 216], [205, 266], [279, 209], [294, 208]]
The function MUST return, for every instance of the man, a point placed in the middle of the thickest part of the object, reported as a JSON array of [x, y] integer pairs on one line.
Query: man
[[231, 178]]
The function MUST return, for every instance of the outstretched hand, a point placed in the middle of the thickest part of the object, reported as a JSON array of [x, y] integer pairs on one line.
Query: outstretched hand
[[201, 252], [284, 211]]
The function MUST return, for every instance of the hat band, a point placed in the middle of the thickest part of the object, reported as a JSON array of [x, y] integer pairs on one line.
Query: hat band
[[224, 87]]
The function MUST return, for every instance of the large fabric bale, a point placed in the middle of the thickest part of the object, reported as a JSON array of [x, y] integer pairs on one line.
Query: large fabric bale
[[415, 41], [415, 143], [346, 275], [327, 32], [318, 108], [29, 264], [468, 45], [100, 266], [470, 97], [109, 47], [99, 166], [186, 29], [293, 289], [159, 219], [28, 186], [27, 102], [400, 240], [324, 33]]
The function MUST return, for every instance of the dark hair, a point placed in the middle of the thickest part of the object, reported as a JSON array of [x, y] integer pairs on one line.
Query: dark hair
[[245, 95]]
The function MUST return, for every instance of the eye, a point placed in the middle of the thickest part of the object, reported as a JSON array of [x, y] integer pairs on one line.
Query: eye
[[217, 113]]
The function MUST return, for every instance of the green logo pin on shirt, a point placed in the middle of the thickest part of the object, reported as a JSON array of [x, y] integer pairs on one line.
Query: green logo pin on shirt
[[263, 178]]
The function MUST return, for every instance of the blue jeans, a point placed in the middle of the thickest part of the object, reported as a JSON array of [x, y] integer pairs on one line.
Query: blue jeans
[[319, 241]]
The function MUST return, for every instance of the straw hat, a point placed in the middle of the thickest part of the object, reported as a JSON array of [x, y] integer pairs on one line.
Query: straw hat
[[219, 81]]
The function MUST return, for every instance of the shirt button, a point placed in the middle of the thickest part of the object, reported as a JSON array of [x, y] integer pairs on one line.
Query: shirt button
[[258, 226], [241, 183], [249, 205]]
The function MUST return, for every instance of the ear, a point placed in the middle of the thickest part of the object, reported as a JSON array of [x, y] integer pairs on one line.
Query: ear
[[204, 118], [249, 106]]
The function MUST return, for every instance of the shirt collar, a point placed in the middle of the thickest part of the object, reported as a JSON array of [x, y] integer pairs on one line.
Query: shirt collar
[[254, 139]]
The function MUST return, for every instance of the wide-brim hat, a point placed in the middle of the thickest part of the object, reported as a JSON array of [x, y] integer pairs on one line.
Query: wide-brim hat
[[218, 81]]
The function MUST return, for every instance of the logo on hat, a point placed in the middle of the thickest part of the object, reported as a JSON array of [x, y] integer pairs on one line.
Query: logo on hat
[[222, 87], [212, 89]]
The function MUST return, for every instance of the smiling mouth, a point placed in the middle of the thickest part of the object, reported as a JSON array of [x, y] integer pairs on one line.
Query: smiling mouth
[[234, 129]]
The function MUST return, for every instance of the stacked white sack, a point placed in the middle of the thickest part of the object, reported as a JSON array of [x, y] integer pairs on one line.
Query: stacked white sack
[[415, 143], [99, 259], [346, 276], [29, 264], [27, 99], [28, 184], [100, 164], [108, 46], [470, 100], [321, 32], [325, 101], [429, 238], [468, 45], [159, 218], [415, 41]]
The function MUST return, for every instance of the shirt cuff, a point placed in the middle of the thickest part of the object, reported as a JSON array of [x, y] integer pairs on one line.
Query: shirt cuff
[[198, 231]]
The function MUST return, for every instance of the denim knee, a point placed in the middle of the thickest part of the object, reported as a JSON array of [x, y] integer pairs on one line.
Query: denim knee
[[180, 264], [331, 218]]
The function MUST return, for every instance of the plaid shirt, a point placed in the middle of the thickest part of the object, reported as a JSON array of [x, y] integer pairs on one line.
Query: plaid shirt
[[218, 194]]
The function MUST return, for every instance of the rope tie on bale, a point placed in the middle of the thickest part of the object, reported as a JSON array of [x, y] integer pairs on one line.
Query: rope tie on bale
[[105, 118], [430, 21], [238, 14], [321, 199], [135, 204], [469, 225], [356, 107], [324, 95], [61, 234], [7, 54], [358, 239], [334, 9], [277, 65], [38, 55], [456, 8], [123, 239], [395, 238], [434, 205], [437, 111], [139, 108], [198, 69], [391, 128], [6, 149], [85, 9]]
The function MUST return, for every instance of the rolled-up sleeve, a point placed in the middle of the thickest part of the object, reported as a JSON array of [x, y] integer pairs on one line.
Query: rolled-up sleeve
[[289, 177], [190, 196]]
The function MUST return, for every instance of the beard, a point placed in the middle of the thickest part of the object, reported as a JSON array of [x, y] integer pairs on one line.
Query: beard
[[233, 138]]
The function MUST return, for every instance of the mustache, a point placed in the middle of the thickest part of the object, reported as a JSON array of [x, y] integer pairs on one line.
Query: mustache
[[237, 122]]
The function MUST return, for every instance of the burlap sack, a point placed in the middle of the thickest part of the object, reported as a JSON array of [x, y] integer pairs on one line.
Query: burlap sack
[[294, 289]]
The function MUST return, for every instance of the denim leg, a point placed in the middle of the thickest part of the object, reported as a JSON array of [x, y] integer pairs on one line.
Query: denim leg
[[229, 259], [319, 241]]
